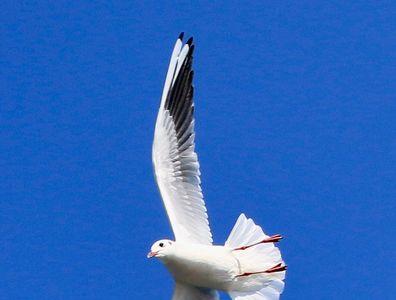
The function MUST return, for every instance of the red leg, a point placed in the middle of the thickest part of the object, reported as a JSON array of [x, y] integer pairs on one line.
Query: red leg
[[277, 268], [272, 239]]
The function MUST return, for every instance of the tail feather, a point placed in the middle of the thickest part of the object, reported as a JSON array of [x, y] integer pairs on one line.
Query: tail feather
[[263, 256], [244, 232]]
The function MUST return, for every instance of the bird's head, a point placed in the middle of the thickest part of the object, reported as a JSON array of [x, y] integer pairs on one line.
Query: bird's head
[[160, 249]]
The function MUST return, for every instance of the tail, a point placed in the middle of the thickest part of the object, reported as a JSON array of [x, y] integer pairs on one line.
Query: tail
[[261, 267]]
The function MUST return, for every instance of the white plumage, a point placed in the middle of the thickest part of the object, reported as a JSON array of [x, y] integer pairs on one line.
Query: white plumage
[[248, 266]]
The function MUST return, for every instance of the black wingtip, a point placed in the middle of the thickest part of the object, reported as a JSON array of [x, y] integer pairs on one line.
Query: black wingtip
[[191, 50], [181, 35], [190, 40]]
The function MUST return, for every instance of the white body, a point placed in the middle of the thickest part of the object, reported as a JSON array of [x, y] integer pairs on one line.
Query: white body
[[225, 267], [212, 267]]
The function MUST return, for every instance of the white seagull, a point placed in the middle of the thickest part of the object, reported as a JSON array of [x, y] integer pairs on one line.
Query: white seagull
[[248, 266]]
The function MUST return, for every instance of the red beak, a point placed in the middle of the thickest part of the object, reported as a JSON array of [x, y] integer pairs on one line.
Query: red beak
[[151, 254]]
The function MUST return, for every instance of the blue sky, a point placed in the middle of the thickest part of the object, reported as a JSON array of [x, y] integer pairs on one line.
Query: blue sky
[[295, 109]]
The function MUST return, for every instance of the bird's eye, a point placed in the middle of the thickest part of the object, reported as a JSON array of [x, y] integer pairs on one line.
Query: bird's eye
[[161, 245]]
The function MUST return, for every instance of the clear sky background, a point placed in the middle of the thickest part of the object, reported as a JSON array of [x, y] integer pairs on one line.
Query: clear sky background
[[295, 109]]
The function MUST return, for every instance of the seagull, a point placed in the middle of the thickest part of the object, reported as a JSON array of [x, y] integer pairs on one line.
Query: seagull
[[249, 266]]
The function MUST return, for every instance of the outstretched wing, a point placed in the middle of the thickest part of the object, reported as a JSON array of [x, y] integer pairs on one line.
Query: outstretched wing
[[184, 292], [175, 161]]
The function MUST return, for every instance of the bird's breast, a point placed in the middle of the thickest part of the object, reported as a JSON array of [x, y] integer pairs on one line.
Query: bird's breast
[[204, 266]]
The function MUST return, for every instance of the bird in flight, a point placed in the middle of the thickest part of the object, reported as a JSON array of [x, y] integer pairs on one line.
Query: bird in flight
[[249, 266]]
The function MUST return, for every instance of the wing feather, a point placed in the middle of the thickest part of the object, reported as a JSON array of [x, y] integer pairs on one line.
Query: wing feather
[[175, 162]]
